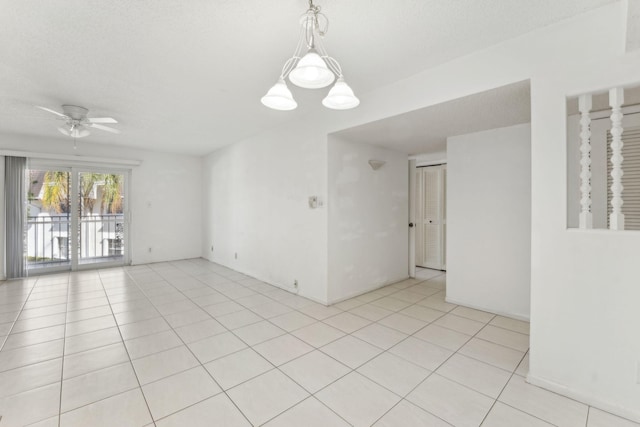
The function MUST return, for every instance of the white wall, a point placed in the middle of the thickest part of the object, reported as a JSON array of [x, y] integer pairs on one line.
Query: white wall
[[489, 220], [585, 292], [368, 218], [256, 195], [165, 200], [166, 203]]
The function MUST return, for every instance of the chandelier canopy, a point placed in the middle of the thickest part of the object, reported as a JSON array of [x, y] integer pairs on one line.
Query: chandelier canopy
[[315, 70]]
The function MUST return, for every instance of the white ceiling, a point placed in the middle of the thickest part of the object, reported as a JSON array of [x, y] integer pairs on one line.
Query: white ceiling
[[426, 130], [187, 76]]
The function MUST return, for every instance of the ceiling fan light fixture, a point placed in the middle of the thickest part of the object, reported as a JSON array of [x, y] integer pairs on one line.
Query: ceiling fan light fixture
[[311, 72], [75, 132], [279, 97], [341, 97]]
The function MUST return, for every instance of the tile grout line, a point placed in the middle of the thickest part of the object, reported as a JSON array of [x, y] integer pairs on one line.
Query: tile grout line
[[428, 376], [310, 395], [205, 271], [497, 399], [355, 370], [64, 338], [352, 370], [274, 366], [292, 310], [190, 351], [18, 316], [128, 356]]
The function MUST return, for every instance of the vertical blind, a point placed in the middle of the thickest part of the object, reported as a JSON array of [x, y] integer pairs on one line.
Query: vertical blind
[[630, 178], [15, 213]]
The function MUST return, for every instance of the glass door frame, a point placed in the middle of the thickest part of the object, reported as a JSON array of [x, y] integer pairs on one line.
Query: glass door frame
[[74, 169], [76, 221]]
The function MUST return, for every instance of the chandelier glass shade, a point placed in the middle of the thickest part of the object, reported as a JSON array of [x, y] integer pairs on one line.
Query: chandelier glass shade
[[341, 97], [279, 97], [313, 70]]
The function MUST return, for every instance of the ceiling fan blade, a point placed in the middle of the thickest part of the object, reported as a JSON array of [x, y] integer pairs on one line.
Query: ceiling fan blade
[[101, 120], [107, 128], [52, 111]]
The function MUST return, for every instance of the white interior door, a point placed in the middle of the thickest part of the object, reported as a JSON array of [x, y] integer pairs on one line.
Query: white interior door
[[431, 217]]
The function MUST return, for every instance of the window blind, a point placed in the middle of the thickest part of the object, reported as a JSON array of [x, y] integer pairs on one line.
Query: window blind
[[630, 178]]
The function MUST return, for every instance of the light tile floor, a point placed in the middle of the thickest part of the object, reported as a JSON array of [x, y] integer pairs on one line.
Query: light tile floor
[[191, 343]]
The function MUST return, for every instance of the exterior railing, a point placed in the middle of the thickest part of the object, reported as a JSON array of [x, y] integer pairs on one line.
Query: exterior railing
[[101, 236], [48, 238]]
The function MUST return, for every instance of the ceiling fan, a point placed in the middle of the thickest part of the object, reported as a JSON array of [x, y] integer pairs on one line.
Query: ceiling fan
[[77, 123]]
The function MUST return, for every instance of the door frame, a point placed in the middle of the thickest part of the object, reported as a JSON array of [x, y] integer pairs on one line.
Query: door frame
[[413, 210], [75, 183], [412, 218]]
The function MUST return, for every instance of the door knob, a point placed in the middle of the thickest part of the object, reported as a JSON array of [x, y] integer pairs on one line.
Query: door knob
[[410, 225]]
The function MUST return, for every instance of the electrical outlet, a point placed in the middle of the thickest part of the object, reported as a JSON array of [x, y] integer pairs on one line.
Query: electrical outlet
[[149, 250], [295, 284], [211, 248], [313, 202], [236, 255]]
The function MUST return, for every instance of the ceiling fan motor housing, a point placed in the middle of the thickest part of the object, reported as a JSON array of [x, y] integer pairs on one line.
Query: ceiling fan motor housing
[[75, 112]]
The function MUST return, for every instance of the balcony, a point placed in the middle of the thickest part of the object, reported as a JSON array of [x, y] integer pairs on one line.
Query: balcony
[[100, 239]]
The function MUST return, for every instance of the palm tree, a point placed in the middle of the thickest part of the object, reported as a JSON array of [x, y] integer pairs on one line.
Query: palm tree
[[56, 191], [88, 182], [112, 194]]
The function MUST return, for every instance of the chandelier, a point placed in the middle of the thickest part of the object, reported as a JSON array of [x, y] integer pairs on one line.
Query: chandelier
[[316, 69]]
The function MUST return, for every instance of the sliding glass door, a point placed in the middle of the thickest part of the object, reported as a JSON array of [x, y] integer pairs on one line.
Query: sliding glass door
[[48, 219], [101, 218], [76, 218]]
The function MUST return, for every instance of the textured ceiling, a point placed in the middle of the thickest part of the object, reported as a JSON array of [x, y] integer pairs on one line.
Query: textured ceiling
[[187, 76], [426, 130]]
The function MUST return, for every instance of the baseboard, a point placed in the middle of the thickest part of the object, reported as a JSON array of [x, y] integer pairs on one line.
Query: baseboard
[[357, 294], [586, 398], [289, 289], [487, 309]]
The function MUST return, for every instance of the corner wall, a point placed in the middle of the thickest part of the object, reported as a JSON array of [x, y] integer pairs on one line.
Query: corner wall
[[368, 244], [256, 206], [585, 283], [489, 220]]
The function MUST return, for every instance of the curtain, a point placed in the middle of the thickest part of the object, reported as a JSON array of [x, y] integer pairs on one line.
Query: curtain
[[15, 206]]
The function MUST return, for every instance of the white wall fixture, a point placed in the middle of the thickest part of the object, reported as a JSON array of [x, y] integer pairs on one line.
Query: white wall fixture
[[376, 164], [315, 70]]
